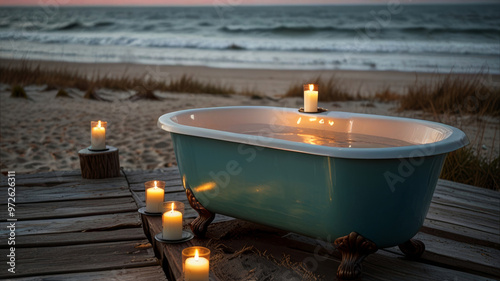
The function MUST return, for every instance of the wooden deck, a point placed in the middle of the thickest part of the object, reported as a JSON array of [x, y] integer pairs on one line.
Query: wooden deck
[[75, 229]]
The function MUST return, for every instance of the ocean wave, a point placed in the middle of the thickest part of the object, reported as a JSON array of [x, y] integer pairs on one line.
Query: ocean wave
[[277, 29], [76, 25], [308, 29], [272, 45]]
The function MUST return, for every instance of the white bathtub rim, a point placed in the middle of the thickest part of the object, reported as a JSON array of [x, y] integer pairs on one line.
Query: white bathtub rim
[[454, 141]]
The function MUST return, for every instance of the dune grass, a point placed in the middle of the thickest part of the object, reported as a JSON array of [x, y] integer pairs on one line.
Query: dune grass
[[18, 92], [62, 94], [453, 94], [28, 74], [466, 166]]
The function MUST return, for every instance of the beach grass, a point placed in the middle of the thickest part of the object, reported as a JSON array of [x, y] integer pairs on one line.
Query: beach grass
[[18, 92], [466, 166], [28, 74], [453, 94], [62, 94]]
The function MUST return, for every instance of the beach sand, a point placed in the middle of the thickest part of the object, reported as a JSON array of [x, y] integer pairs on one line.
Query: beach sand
[[45, 133]]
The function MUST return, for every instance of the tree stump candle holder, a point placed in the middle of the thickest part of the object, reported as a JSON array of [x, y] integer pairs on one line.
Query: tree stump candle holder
[[99, 164]]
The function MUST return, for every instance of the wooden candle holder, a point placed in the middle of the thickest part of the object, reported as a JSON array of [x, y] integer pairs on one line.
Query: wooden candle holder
[[99, 164]]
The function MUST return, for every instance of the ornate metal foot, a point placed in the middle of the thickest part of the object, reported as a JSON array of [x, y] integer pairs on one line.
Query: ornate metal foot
[[199, 225], [354, 249], [412, 248]]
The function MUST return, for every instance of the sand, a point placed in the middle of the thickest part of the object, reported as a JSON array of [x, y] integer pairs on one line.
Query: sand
[[45, 133]]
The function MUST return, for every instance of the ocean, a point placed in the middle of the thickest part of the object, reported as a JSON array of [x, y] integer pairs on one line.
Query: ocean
[[413, 38]]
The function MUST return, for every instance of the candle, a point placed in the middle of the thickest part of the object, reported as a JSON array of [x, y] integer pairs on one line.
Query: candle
[[196, 268], [98, 135], [172, 224], [154, 198], [310, 98]]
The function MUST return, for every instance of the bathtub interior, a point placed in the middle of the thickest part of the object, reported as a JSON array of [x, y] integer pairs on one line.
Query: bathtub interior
[[232, 120]]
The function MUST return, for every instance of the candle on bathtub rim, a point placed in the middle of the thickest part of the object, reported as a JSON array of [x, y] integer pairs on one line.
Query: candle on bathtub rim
[[172, 220], [155, 195], [196, 263], [98, 135], [311, 98]]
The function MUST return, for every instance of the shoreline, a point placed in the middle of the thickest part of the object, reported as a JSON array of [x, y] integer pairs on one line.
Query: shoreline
[[270, 82]]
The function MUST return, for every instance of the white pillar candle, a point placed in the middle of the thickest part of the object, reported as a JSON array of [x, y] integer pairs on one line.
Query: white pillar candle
[[98, 136], [154, 199], [310, 99], [172, 224], [196, 268]]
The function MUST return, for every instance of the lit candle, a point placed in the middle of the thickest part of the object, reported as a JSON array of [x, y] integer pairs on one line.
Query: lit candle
[[98, 136], [154, 199], [172, 224], [310, 98], [196, 268]]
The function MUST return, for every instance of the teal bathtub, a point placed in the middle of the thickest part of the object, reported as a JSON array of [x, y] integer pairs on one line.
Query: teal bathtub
[[320, 191]]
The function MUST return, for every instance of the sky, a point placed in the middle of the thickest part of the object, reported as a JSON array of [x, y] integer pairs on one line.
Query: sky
[[216, 2]]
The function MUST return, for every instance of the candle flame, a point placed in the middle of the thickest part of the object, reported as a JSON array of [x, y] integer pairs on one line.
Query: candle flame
[[312, 119], [172, 207], [298, 121], [196, 256], [321, 121], [311, 87], [156, 185], [99, 124], [331, 123]]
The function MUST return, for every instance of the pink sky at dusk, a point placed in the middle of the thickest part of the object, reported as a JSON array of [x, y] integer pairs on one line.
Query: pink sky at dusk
[[215, 2]]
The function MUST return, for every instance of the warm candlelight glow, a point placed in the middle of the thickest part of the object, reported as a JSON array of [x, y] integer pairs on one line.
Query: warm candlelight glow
[[154, 197], [172, 221], [196, 268], [310, 98], [322, 121], [331, 123], [98, 135], [300, 119]]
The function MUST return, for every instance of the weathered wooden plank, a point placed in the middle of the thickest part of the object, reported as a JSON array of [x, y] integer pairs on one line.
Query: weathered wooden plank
[[82, 258], [77, 238], [488, 204], [141, 176], [467, 188], [82, 189], [78, 224], [56, 176], [463, 256], [129, 274], [74, 208], [3, 181], [463, 217], [460, 233]]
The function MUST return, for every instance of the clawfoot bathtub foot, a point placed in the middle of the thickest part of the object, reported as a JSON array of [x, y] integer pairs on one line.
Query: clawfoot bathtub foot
[[354, 249], [199, 225], [412, 248]]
